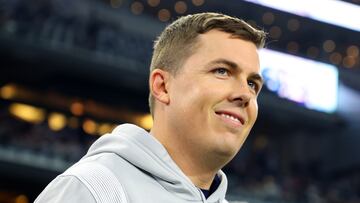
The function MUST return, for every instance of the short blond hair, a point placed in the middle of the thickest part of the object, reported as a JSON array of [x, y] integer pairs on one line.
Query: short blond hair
[[178, 41]]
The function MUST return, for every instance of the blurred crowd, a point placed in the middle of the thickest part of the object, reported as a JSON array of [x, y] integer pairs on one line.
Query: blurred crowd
[[256, 177], [68, 25], [71, 26], [68, 144], [262, 176]]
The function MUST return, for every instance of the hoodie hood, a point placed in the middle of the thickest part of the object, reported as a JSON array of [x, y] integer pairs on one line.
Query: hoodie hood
[[142, 150]]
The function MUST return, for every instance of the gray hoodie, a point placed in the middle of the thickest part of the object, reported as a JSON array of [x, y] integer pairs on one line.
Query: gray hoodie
[[127, 165]]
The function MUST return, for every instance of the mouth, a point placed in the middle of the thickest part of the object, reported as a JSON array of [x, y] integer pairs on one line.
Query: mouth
[[231, 117]]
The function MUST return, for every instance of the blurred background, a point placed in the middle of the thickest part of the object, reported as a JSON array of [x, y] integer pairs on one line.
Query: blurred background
[[71, 71]]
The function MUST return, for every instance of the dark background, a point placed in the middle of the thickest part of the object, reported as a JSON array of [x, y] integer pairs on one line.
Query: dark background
[[88, 62]]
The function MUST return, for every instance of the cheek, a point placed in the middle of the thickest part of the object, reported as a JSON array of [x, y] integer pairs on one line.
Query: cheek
[[192, 91], [194, 102], [253, 110]]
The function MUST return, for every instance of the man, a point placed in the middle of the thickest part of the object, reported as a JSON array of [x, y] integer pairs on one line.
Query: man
[[204, 82]]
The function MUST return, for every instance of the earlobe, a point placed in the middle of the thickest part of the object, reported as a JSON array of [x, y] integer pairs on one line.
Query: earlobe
[[158, 85]]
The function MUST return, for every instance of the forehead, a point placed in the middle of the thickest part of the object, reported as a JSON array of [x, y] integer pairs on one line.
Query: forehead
[[218, 44]]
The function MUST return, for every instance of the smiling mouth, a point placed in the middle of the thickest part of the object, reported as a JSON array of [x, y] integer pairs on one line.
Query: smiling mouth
[[230, 117]]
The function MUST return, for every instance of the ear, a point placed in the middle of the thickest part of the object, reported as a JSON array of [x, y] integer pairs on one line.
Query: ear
[[158, 85]]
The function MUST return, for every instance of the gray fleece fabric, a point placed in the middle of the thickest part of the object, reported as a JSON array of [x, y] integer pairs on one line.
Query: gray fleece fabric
[[127, 165]]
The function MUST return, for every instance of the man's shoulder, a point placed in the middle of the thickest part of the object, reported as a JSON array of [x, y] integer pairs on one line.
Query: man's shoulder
[[92, 179], [88, 181], [99, 179], [65, 188]]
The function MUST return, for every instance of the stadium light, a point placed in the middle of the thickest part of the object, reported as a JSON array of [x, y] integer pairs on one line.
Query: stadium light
[[27, 112], [334, 12], [307, 82]]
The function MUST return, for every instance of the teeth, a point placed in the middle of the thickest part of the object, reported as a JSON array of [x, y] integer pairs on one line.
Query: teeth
[[230, 117]]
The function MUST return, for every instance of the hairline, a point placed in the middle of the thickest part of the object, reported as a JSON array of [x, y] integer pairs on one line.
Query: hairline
[[197, 43]]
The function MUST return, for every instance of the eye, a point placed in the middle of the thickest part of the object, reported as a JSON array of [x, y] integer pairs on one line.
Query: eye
[[253, 85], [222, 72]]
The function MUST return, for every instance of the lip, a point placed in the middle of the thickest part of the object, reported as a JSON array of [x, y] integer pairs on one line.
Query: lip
[[230, 113]]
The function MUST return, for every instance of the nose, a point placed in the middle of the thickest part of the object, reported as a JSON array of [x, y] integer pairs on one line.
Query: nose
[[240, 96]]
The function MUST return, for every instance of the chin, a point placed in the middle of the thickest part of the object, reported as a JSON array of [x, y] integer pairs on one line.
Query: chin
[[227, 152], [233, 146]]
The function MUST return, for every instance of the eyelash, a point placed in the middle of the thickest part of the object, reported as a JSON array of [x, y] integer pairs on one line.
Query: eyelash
[[225, 71], [253, 85], [216, 71]]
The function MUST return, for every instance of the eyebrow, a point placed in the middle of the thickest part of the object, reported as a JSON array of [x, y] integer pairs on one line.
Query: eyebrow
[[258, 77], [234, 66]]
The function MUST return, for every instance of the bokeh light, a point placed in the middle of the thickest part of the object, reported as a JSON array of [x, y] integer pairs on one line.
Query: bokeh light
[[198, 2], [56, 121], [353, 51], [27, 112], [89, 126], [293, 25], [7, 91], [137, 8], [268, 18], [180, 7], [329, 46], [153, 3], [293, 47], [275, 32], [164, 15], [349, 61], [116, 3], [77, 108], [335, 58]]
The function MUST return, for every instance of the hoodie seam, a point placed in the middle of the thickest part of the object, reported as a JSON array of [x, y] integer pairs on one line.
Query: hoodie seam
[[135, 146], [160, 161]]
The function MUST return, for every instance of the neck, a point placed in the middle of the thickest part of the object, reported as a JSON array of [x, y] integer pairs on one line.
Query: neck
[[199, 166], [202, 181]]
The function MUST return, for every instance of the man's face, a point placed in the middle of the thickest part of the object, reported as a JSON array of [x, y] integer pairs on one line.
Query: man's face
[[213, 97]]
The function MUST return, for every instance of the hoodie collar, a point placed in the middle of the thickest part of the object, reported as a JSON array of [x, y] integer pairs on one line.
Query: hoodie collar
[[144, 151]]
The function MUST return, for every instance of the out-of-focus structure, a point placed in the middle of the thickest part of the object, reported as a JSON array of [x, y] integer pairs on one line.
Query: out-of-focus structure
[[72, 70]]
